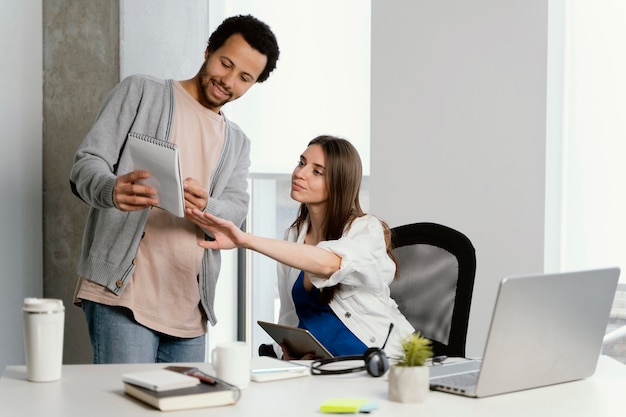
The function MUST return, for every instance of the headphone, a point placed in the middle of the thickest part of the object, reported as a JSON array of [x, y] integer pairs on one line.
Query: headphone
[[376, 362]]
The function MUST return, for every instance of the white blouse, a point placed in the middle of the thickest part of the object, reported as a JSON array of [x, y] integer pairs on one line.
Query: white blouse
[[362, 302]]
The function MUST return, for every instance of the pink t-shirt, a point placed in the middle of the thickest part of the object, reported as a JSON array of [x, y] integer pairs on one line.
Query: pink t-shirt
[[163, 293]]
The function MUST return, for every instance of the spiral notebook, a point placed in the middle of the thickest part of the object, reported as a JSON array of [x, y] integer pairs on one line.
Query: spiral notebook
[[162, 160]]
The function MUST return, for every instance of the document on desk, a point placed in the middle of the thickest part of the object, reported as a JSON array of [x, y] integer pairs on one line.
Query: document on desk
[[162, 160], [265, 369]]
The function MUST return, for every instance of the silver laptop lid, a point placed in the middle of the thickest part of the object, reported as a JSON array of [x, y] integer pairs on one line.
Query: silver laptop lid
[[546, 329]]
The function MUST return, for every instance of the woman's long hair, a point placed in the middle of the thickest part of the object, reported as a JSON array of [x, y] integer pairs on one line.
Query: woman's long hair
[[343, 173]]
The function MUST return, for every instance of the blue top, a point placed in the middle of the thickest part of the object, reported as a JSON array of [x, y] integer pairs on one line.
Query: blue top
[[322, 322]]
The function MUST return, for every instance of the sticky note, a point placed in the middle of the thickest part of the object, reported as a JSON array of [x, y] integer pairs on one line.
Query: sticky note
[[343, 405]]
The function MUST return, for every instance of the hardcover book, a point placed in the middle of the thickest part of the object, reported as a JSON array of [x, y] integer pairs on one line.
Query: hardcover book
[[211, 392]]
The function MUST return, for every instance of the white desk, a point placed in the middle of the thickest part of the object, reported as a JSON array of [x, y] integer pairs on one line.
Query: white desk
[[96, 390]]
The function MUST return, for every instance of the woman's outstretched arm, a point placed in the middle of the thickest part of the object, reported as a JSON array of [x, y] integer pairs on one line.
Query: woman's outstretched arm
[[312, 259]]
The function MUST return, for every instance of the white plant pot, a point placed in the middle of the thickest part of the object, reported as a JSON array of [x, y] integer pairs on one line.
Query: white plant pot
[[408, 384]]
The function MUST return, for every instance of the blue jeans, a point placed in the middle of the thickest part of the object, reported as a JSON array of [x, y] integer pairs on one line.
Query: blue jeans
[[117, 338]]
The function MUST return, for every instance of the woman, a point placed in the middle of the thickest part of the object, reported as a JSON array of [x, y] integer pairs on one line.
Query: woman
[[335, 264]]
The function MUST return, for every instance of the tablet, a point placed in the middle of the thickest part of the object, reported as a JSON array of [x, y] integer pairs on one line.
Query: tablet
[[298, 341]]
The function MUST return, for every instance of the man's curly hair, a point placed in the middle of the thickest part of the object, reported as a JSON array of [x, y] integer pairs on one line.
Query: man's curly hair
[[255, 32]]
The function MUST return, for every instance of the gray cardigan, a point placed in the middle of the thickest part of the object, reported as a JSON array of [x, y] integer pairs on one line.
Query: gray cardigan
[[111, 238]]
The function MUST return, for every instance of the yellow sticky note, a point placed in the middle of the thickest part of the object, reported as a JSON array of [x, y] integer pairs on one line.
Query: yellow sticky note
[[343, 405]]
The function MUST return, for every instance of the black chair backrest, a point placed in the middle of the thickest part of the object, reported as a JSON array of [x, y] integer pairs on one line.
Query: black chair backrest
[[436, 270]]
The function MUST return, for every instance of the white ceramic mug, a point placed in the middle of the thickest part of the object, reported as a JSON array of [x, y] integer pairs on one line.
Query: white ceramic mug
[[231, 362], [44, 320]]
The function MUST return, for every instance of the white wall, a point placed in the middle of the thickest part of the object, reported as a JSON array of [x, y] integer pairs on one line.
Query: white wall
[[169, 40], [21, 168], [458, 137], [459, 129]]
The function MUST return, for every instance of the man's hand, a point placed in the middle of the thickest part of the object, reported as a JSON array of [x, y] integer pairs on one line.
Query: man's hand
[[130, 195], [196, 197]]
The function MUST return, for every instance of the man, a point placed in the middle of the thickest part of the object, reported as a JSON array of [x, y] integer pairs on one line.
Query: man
[[146, 287]]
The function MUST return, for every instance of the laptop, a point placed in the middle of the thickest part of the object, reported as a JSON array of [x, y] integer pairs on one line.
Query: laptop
[[298, 341], [545, 329]]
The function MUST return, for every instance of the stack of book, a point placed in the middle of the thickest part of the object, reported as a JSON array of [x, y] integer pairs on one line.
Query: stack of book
[[179, 388]]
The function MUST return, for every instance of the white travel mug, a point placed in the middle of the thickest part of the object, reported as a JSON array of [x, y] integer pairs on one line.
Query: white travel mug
[[231, 362], [43, 338]]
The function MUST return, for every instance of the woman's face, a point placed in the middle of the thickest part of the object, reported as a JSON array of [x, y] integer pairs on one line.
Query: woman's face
[[308, 182]]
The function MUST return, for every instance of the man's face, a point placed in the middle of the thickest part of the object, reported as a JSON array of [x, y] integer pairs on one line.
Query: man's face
[[229, 71]]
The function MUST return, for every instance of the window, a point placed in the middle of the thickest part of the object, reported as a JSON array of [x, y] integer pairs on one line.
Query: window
[[593, 224], [585, 139], [320, 86]]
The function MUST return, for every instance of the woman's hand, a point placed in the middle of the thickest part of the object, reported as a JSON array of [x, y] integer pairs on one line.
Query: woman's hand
[[226, 234], [288, 356]]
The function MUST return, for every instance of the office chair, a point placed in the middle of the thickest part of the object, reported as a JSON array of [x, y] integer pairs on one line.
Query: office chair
[[436, 270]]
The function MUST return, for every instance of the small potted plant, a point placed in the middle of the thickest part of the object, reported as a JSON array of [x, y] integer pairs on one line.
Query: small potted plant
[[408, 377]]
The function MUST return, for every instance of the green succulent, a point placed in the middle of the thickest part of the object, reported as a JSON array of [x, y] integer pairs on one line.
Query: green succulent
[[416, 350]]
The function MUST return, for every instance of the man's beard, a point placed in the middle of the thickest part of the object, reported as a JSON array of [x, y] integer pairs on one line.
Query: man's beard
[[205, 82]]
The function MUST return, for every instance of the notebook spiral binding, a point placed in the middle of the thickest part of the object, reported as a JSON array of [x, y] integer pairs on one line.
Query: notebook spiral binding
[[150, 139]]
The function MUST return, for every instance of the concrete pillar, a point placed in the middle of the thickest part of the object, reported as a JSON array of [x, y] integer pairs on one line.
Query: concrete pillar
[[81, 65]]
